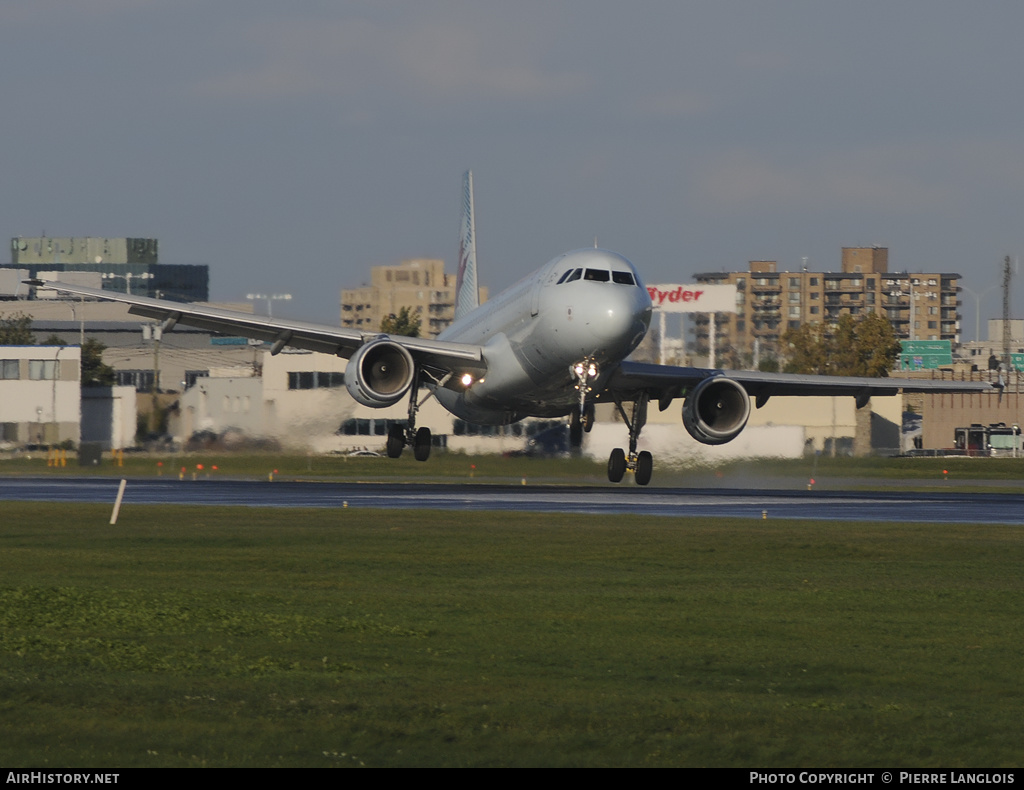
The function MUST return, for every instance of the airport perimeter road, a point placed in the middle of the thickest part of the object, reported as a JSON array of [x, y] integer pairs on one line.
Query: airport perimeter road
[[828, 505]]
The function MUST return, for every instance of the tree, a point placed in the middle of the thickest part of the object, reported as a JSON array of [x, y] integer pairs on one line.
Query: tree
[[16, 330], [94, 372], [405, 323], [864, 346]]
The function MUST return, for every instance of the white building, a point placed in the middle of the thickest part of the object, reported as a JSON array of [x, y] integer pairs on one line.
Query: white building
[[301, 402], [39, 394]]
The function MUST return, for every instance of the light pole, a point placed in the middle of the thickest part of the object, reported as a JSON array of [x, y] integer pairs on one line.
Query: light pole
[[269, 300], [897, 292], [977, 308]]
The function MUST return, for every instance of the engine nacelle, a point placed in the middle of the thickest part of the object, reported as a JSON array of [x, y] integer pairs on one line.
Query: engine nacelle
[[716, 411], [379, 373]]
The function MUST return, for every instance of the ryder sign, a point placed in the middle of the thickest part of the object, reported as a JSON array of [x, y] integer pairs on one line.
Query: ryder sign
[[693, 298]]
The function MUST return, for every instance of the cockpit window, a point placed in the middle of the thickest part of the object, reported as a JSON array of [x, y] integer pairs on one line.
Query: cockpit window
[[598, 276]]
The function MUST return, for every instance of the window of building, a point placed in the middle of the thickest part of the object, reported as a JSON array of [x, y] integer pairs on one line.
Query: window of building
[[43, 369], [794, 312], [813, 281], [9, 369], [815, 310], [794, 282], [313, 379], [794, 296], [142, 380]]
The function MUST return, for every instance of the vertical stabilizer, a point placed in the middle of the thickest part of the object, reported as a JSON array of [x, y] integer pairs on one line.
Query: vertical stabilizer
[[467, 292]]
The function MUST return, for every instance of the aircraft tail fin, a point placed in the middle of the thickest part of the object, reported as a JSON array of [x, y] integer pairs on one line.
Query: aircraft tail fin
[[467, 292]]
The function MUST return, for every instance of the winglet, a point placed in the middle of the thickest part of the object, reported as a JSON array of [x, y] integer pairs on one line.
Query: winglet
[[467, 294]]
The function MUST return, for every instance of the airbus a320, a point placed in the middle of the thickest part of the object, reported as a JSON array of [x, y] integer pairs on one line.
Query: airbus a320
[[553, 345]]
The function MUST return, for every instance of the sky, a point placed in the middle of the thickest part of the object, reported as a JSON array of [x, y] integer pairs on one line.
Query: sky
[[292, 146]]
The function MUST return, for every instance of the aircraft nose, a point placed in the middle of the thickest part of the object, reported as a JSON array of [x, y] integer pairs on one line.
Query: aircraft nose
[[613, 317]]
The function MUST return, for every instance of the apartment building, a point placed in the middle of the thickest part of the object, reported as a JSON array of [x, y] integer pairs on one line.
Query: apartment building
[[419, 284], [920, 306]]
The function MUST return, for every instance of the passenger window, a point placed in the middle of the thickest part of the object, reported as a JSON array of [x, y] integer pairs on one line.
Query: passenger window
[[623, 278], [597, 275]]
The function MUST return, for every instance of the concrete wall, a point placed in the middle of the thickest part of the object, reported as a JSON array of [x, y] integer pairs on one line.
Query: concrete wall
[[109, 416], [942, 414]]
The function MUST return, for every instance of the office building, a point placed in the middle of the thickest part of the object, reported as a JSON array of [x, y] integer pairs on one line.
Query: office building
[[124, 265]]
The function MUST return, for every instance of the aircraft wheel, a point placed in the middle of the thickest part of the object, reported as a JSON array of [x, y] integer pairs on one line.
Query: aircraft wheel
[[421, 445], [644, 468], [616, 465], [588, 417], [396, 441]]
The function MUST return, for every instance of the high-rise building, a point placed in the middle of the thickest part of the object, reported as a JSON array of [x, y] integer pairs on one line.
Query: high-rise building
[[769, 301], [419, 284]]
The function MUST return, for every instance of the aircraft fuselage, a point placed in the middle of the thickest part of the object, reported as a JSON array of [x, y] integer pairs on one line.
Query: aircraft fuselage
[[587, 305]]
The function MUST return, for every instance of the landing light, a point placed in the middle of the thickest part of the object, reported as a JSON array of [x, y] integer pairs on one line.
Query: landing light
[[466, 379]]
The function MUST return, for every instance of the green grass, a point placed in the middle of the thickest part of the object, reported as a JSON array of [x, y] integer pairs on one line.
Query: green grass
[[1003, 474], [260, 637], [441, 466]]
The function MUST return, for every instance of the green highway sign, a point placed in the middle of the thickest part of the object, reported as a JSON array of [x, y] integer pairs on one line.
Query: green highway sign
[[926, 354]]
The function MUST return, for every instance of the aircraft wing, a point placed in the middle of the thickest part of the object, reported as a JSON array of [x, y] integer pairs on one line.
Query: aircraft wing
[[440, 356], [665, 382]]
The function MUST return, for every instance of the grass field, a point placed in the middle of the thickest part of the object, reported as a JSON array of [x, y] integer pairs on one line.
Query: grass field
[[1006, 474], [260, 637]]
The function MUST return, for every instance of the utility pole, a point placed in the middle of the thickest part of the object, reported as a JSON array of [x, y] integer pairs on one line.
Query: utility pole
[[1007, 274]]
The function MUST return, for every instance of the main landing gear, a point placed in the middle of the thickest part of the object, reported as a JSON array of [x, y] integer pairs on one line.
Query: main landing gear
[[400, 435], [642, 463]]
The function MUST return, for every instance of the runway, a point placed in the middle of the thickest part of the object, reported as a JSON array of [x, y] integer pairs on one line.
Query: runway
[[939, 506]]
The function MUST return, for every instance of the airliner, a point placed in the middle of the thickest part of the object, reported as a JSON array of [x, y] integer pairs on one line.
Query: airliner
[[553, 345]]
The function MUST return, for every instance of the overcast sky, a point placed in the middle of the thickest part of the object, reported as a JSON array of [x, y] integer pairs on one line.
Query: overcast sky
[[292, 146]]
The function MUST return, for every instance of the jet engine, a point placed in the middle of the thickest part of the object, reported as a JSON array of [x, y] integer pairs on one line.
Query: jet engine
[[716, 411], [379, 373]]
